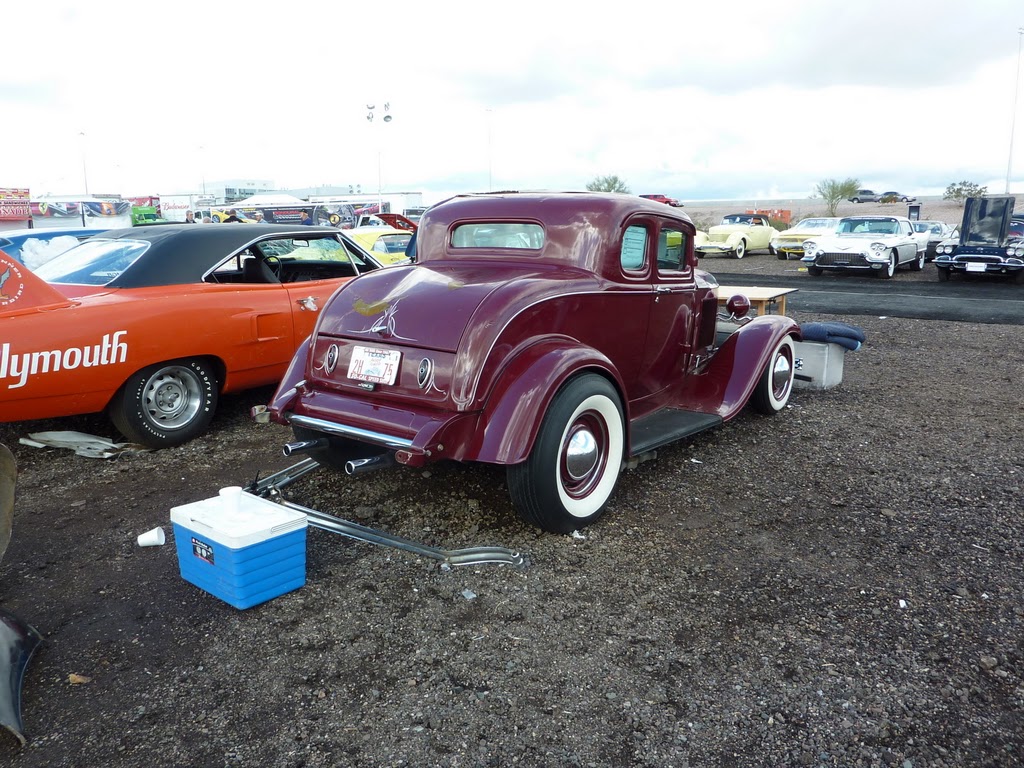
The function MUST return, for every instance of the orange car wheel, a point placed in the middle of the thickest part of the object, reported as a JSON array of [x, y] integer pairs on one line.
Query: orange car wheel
[[166, 404]]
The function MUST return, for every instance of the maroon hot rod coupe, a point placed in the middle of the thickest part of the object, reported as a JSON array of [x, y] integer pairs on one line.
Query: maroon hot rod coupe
[[560, 335]]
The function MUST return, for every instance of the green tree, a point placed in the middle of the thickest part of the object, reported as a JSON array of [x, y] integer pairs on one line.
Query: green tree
[[960, 191], [608, 184], [832, 192]]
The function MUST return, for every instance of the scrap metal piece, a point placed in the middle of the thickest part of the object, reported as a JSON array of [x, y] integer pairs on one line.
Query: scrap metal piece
[[18, 641], [270, 488]]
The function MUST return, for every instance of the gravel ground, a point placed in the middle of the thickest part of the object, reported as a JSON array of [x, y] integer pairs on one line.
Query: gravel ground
[[838, 585]]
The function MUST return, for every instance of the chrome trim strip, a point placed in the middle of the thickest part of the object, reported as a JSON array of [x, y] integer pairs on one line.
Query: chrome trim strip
[[340, 430]]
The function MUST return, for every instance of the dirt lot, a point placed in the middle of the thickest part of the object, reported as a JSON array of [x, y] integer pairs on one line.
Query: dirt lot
[[840, 585]]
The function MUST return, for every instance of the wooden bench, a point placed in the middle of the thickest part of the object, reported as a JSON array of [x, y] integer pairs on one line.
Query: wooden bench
[[764, 300]]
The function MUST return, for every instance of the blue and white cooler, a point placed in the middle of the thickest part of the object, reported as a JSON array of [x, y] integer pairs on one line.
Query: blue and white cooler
[[245, 553]]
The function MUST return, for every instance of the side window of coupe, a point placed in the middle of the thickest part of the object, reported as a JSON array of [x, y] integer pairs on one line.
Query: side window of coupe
[[634, 247], [672, 243]]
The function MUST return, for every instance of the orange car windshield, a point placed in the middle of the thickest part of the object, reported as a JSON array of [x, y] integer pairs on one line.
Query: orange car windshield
[[94, 262]]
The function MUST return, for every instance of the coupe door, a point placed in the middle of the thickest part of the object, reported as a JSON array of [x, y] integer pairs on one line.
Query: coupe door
[[671, 325]]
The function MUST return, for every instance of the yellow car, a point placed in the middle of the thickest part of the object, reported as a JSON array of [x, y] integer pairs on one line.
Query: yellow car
[[790, 242], [387, 244]]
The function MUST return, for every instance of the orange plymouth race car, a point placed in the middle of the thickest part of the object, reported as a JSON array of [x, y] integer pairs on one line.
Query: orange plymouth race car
[[152, 324]]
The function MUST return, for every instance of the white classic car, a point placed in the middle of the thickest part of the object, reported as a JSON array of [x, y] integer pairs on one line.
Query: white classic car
[[867, 243], [738, 234], [790, 242]]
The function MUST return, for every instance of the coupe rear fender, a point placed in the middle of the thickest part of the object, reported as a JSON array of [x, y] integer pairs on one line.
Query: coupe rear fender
[[524, 390], [286, 391], [725, 384]]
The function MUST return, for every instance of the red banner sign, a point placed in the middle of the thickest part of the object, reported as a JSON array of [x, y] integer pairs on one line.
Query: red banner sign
[[14, 204]]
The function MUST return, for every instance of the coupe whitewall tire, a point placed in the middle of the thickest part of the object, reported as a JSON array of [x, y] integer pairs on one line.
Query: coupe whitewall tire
[[576, 460], [776, 382]]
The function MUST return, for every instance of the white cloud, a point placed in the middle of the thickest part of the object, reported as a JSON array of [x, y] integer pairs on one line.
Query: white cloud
[[736, 100]]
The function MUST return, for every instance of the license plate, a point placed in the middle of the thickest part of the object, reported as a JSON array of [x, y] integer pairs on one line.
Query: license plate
[[377, 365], [975, 266]]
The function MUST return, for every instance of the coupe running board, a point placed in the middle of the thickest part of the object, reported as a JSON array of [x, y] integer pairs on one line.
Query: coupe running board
[[270, 488], [666, 426]]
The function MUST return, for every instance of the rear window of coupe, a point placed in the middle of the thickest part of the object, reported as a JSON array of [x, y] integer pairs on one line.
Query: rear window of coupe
[[94, 262], [498, 235]]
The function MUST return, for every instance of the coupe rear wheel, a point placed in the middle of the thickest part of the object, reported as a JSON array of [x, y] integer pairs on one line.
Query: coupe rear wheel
[[576, 459], [741, 249], [889, 269], [166, 404], [918, 264], [776, 382]]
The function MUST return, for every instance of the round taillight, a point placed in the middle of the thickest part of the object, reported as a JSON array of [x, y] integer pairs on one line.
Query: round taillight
[[738, 305]]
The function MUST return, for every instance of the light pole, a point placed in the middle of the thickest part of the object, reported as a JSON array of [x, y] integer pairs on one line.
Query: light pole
[[380, 141], [85, 174], [1013, 115]]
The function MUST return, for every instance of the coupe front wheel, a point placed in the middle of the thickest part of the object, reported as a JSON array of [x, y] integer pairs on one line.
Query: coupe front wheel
[[166, 404], [572, 470], [918, 263], [776, 382], [741, 249]]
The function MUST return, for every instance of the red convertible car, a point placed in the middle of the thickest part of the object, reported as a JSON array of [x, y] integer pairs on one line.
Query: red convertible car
[[560, 335], [152, 324]]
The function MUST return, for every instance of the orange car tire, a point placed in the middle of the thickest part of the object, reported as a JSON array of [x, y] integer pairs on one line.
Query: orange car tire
[[166, 404]]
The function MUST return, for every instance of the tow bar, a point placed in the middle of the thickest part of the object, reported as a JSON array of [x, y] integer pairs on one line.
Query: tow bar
[[270, 488]]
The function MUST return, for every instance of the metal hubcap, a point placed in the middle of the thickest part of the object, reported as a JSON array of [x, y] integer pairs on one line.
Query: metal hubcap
[[581, 454], [782, 374], [172, 398]]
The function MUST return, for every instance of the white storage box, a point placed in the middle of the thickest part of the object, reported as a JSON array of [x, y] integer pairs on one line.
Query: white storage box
[[244, 557], [819, 365]]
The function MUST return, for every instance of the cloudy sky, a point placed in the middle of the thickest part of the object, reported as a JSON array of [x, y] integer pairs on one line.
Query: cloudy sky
[[725, 100]]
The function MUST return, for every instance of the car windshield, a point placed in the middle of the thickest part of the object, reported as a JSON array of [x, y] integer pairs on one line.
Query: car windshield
[[495, 235], [392, 243], [816, 224], [868, 226], [94, 262]]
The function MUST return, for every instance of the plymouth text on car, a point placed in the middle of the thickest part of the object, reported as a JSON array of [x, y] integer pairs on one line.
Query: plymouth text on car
[[790, 242], [496, 347], [737, 235], [991, 241], [151, 324], [867, 243]]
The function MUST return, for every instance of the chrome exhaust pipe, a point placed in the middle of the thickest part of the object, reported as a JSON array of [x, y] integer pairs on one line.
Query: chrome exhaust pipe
[[359, 466], [305, 446]]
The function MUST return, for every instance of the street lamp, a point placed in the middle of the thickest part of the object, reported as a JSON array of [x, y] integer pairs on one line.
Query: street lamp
[[85, 174], [385, 119], [1013, 116]]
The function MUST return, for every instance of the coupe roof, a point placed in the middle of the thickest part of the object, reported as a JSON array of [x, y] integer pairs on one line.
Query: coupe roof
[[184, 253]]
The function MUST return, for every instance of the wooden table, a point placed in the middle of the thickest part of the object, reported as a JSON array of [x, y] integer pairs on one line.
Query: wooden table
[[761, 299]]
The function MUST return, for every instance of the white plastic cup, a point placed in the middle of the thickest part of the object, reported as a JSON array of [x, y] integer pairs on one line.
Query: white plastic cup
[[154, 538], [230, 499]]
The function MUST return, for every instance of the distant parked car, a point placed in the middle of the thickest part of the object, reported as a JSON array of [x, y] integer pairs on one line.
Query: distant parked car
[[387, 244], [790, 242], [867, 243], [991, 241], [738, 234], [937, 231], [865, 196], [897, 196], [35, 247], [662, 199]]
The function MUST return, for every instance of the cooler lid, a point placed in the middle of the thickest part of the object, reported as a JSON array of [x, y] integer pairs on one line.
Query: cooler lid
[[256, 520]]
